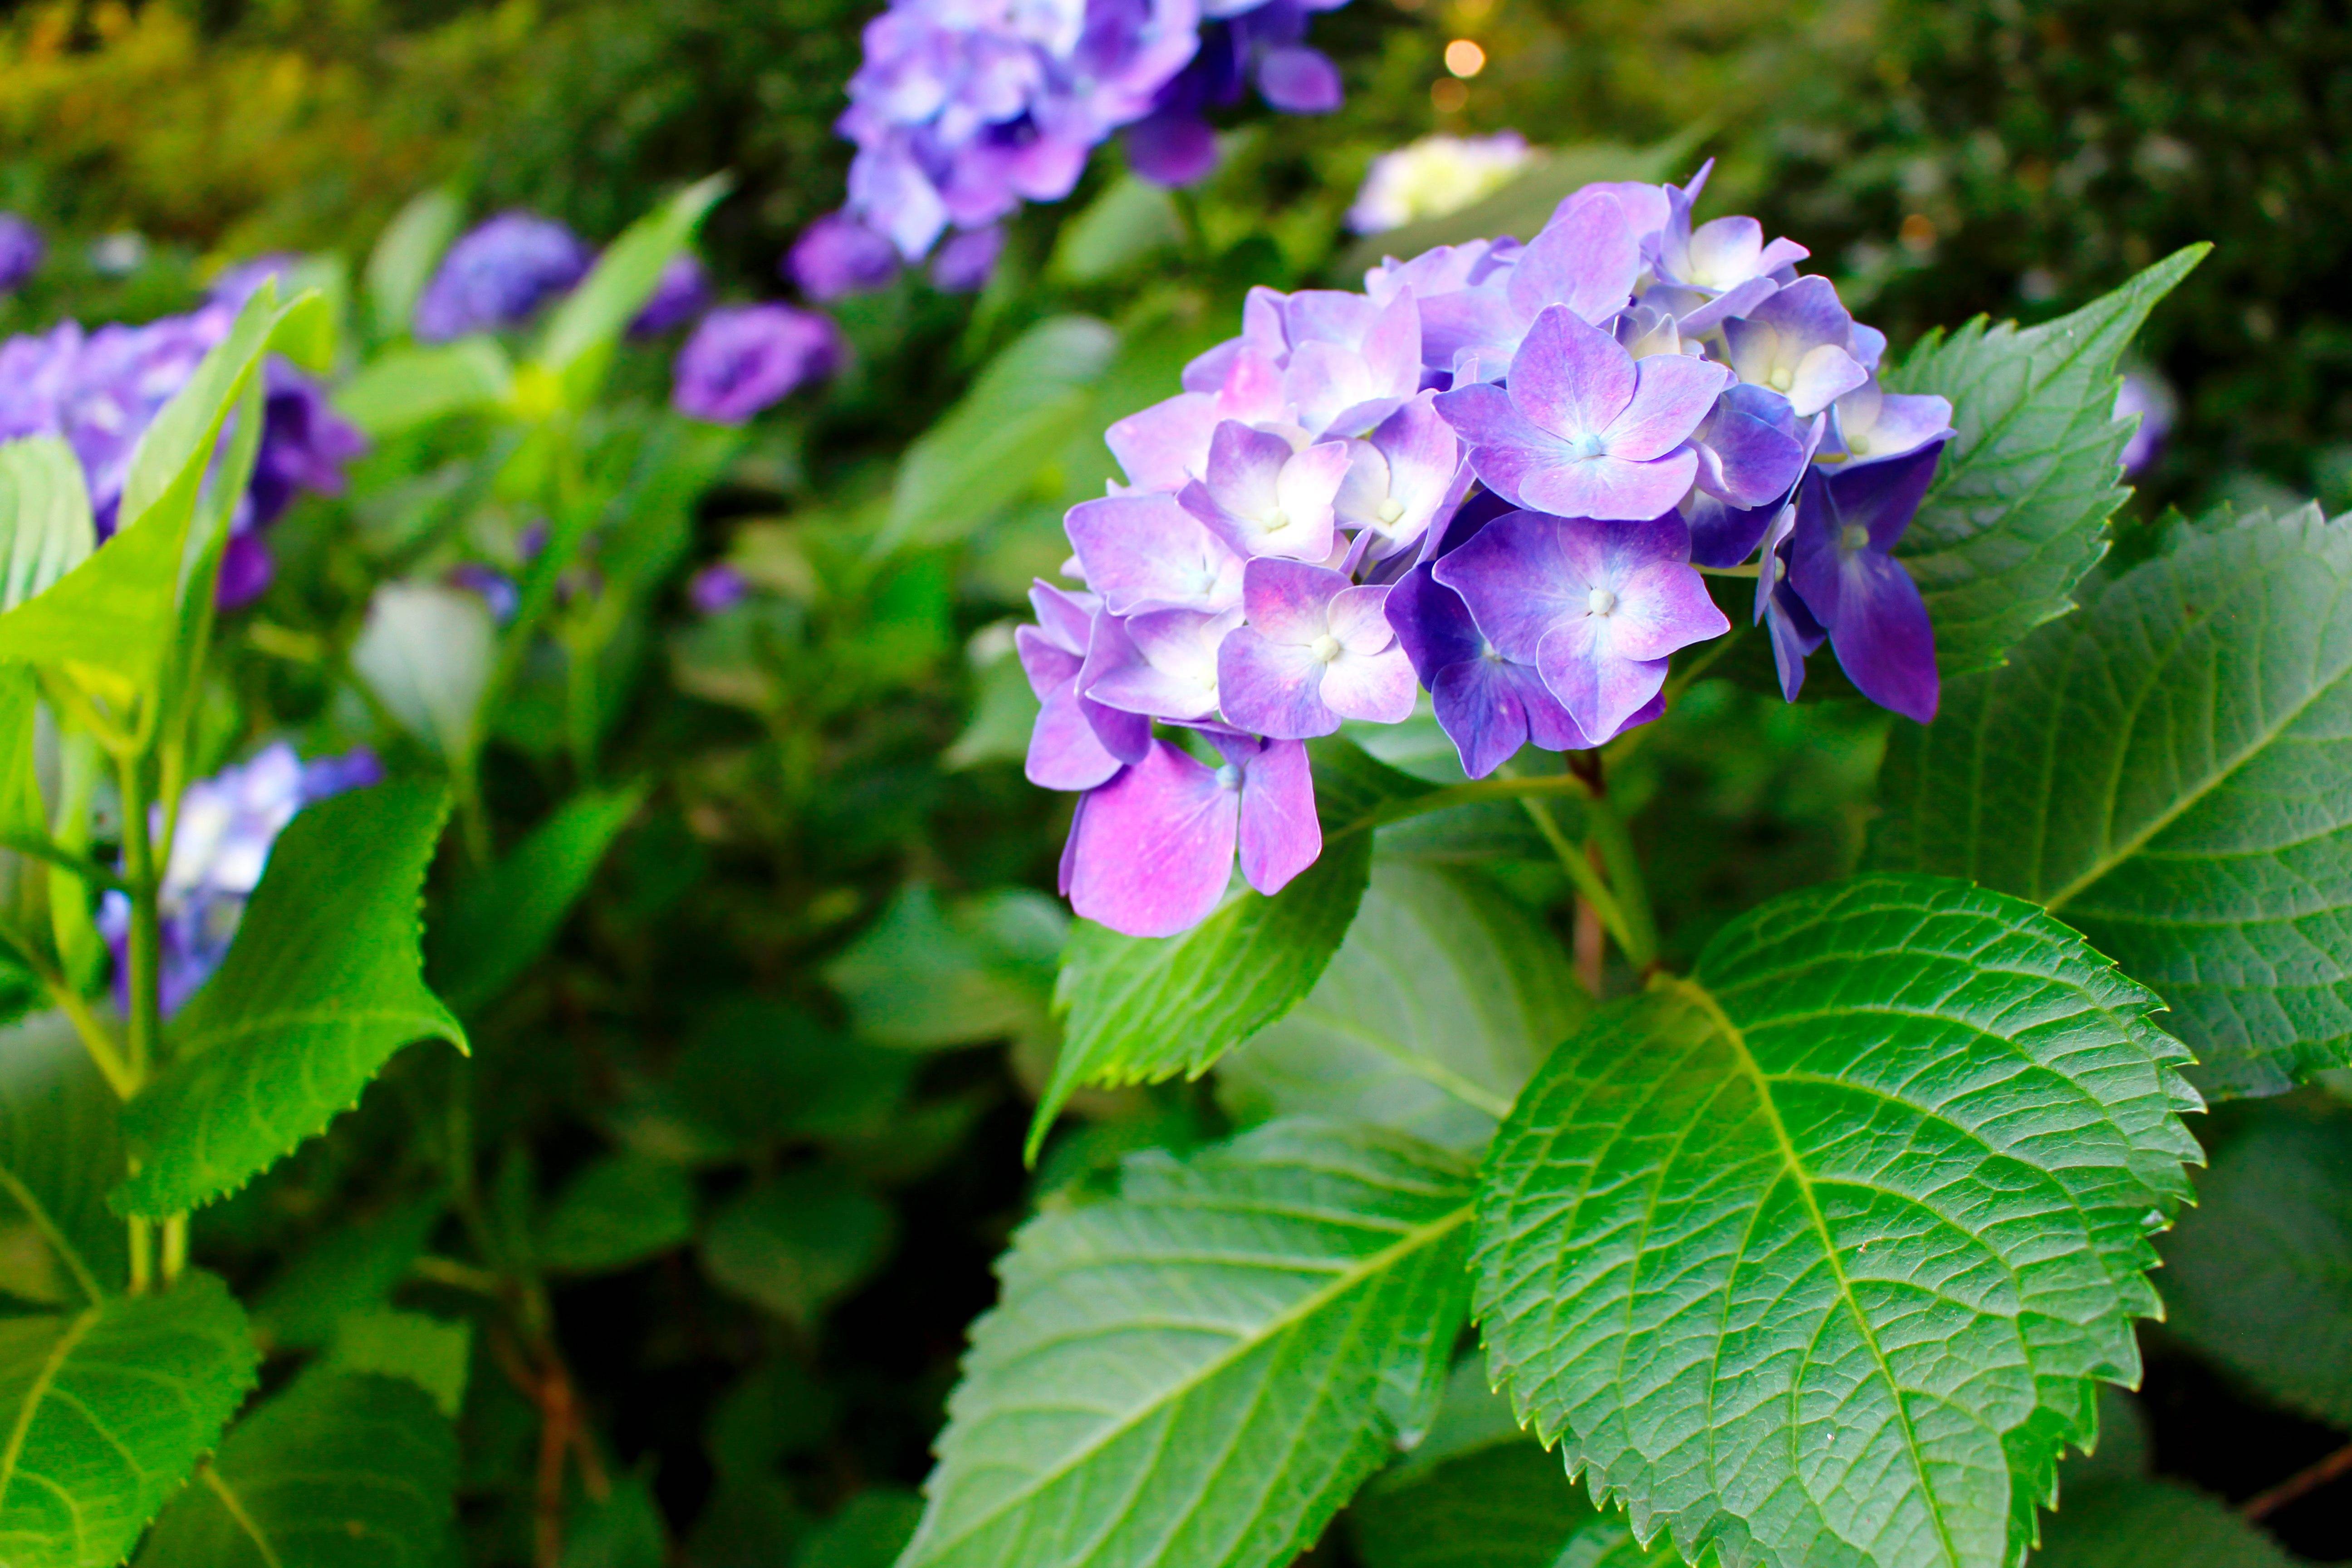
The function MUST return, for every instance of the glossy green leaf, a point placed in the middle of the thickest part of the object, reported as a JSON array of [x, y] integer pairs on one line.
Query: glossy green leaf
[[2170, 772], [589, 320], [1200, 1371], [46, 530], [104, 1413], [61, 1150], [338, 1471], [352, 1267], [1145, 1009], [405, 255], [2147, 1523], [114, 613], [1815, 1256], [321, 987], [1434, 1012], [798, 1242], [410, 386], [500, 922], [620, 1210], [2259, 1276], [431, 1353], [2019, 509], [987, 450]]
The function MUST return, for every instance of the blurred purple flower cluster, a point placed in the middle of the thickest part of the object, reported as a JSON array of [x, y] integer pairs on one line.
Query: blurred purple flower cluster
[[226, 827], [1496, 474], [21, 251], [965, 109], [99, 391]]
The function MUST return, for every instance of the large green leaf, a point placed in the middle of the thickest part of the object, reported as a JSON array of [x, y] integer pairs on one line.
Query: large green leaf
[[2170, 770], [591, 318], [501, 921], [2259, 1276], [340, 1471], [410, 386], [1145, 1009], [1200, 1371], [2022, 496], [1434, 1012], [321, 986], [61, 1150], [46, 529], [1813, 1258], [114, 613], [353, 1266], [434, 1354], [2148, 1523], [103, 1415]]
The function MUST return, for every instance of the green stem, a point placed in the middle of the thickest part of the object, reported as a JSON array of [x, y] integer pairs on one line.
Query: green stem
[[146, 927], [473, 821], [175, 1247], [1640, 940], [94, 1037], [1502, 786], [1587, 881]]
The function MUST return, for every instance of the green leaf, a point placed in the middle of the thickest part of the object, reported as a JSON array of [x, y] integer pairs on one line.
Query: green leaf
[[2139, 1524], [340, 1471], [321, 987], [501, 921], [2019, 509], [404, 255], [623, 1531], [46, 530], [2259, 1276], [1434, 1012], [620, 1210], [1200, 1371], [1815, 1257], [431, 1353], [1508, 1505], [1146, 1009], [61, 1149], [870, 1531], [798, 1242], [922, 977], [103, 1413], [410, 386], [352, 1267], [2169, 772], [1132, 221], [989, 449], [114, 613], [589, 320], [756, 1069]]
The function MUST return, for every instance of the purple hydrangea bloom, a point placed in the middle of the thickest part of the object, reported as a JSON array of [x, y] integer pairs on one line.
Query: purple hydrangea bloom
[[21, 250], [1268, 494], [681, 294], [964, 263], [497, 275], [1839, 567], [716, 588], [1399, 479], [2142, 393], [1595, 607], [226, 829], [1869, 424], [1151, 852], [1798, 342], [1159, 663], [836, 256], [744, 358], [1077, 743], [1316, 649], [1146, 553]]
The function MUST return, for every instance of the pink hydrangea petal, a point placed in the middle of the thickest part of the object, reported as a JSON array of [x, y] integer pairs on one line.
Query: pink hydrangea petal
[[1273, 688], [1586, 259], [1166, 444], [1359, 618], [1280, 835], [1154, 848], [1289, 601], [1066, 751], [1571, 378], [1065, 618], [1660, 607], [1142, 550]]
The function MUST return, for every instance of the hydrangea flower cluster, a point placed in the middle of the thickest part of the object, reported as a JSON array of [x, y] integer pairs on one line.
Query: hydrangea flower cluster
[[1433, 176], [742, 358], [226, 826], [965, 109], [1496, 474], [498, 274], [99, 391]]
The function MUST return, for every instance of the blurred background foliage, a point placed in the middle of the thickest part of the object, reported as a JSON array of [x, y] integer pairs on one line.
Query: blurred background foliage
[[750, 1139]]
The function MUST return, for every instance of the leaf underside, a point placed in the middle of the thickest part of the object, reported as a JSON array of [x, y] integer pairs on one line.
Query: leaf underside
[[321, 987], [1813, 1258], [103, 1412], [2022, 498], [2170, 772], [1202, 1370]]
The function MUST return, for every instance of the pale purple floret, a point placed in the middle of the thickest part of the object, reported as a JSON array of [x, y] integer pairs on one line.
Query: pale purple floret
[[1585, 261], [1151, 852], [1798, 345], [1839, 565], [21, 250], [743, 358], [1750, 447], [2142, 393], [963, 264], [1398, 479], [1869, 424], [498, 274], [1076, 743], [1316, 650], [1162, 663], [1266, 493], [1595, 607], [838, 256], [1487, 705], [1351, 362], [1724, 257], [1584, 430], [1794, 632], [1447, 269], [1147, 552], [1166, 446]]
